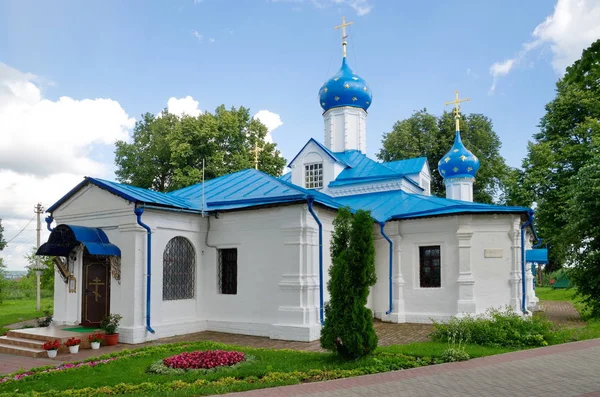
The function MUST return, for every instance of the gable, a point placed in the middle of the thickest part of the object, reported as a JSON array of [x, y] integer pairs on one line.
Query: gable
[[89, 199]]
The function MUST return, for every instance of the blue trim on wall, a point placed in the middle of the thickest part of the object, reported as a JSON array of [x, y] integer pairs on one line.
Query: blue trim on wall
[[310, 201], [391, 269], [138, 213]]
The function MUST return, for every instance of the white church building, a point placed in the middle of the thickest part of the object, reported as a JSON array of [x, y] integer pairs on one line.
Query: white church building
[[248, 253]]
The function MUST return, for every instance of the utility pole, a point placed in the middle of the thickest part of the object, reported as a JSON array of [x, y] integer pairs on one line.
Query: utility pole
[[38, 209]]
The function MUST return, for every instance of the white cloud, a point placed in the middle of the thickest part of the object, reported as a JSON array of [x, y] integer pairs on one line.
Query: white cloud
[[46, 150], [270, 120], [198, 35], [181, 106], [212, 40], [573, 26]]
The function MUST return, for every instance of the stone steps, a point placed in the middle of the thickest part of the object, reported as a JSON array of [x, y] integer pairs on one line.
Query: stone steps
[[23, 342], [28, 341], [22, 350]]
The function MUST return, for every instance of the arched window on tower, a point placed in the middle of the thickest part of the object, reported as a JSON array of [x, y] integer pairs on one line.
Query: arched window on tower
[[179, 269]]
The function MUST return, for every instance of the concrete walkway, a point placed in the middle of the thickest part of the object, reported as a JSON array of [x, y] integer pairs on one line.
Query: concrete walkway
[[570, 369]]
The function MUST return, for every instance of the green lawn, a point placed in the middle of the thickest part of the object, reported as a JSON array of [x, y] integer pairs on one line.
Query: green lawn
[[269, 367], [14, 311], [561, 294]]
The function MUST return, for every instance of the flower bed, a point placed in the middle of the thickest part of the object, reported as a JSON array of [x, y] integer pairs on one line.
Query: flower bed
[[61, 367], [204, 359]]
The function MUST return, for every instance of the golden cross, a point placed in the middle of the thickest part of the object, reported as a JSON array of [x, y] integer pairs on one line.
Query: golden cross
[[257, 149], [344, 35], [96, 282], [456, 111]]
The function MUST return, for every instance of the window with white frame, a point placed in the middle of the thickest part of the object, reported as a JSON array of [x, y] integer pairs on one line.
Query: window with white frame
[[313, 176]]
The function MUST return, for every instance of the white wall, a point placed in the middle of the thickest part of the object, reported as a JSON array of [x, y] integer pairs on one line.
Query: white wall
[[345, 129], [312, 153], [476, 276]]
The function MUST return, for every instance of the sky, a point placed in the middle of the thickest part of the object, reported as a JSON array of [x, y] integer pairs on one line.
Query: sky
[[75, 76]]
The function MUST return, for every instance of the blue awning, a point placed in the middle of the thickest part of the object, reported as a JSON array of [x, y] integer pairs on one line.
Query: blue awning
[[64, 238], [539, 255]]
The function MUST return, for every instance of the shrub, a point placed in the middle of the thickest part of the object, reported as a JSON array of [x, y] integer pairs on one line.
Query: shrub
[[46, 320], [348, 328], [452, 355], [204, 359], [496, 328]]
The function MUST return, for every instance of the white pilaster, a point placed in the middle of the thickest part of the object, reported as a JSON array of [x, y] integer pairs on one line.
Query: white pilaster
[[466, 281], [515, 273], [345, 129]]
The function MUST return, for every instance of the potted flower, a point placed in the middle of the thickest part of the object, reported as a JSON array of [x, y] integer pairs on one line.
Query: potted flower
[[110, 325], [95, 340], [51, 347], [73, 344]]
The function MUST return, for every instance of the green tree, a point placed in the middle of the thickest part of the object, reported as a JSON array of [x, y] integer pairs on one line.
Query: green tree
[[167, 151], [424, 134], [2, 241], [348, 328], [47, 276], [583, 209], [562, 147]]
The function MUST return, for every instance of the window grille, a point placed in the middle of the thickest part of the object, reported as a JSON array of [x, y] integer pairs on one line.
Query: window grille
[[228, 271], [179, 269], [313, 176], [429, 259]]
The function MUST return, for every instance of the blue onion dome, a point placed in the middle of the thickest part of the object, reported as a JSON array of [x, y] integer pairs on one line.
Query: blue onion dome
[[345, 89], [459, 162]]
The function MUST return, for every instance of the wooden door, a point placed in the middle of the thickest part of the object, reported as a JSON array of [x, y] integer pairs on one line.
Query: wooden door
[[96, 291]]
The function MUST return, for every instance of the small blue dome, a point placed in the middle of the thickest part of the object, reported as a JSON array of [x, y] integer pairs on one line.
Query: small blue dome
[[459, 162], [345, 89]]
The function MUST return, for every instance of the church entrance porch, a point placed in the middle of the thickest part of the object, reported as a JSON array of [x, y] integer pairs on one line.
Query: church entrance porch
[[96, 291]]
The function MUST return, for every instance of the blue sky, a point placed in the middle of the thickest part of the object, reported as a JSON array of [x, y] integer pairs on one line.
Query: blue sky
[[266, 55]]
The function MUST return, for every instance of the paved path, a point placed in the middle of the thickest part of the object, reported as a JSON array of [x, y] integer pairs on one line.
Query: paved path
[[563, 313], [571, 369], [389, 334]]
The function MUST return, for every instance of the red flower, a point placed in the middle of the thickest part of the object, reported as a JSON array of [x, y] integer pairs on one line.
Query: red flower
[[95, 338], [204, 359], [51, 345], [72, 342]]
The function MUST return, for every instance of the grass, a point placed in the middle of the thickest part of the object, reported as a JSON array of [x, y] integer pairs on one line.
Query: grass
[[279, 366], [14, 311], [435, 349], [561, 294]]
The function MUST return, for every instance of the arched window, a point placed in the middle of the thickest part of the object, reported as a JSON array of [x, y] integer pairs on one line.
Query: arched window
[[179, 269]]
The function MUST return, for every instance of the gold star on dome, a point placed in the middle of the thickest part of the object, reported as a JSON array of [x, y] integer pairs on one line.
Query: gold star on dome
[[365, 88], [447, 159], [455, 150], [322, 103], [346, 86], [354, 78], [325, 89], [336, 79], [455, 169], [463, 157], [367, 102], [443, 172], [337, 98], [354, 99], [469, 169]]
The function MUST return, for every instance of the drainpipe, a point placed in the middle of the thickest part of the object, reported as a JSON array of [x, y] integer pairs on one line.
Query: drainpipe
[[138, 213], [523, 286], [310, 201], [49, 219], [382, 225]]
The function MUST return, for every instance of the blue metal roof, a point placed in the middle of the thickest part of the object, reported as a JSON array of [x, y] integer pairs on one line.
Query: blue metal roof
[[397, 204], [244, 189], [250, 188], [361, 166], [331, 154], [286, 177], [407, 166], [64, 238], [128, 192]]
